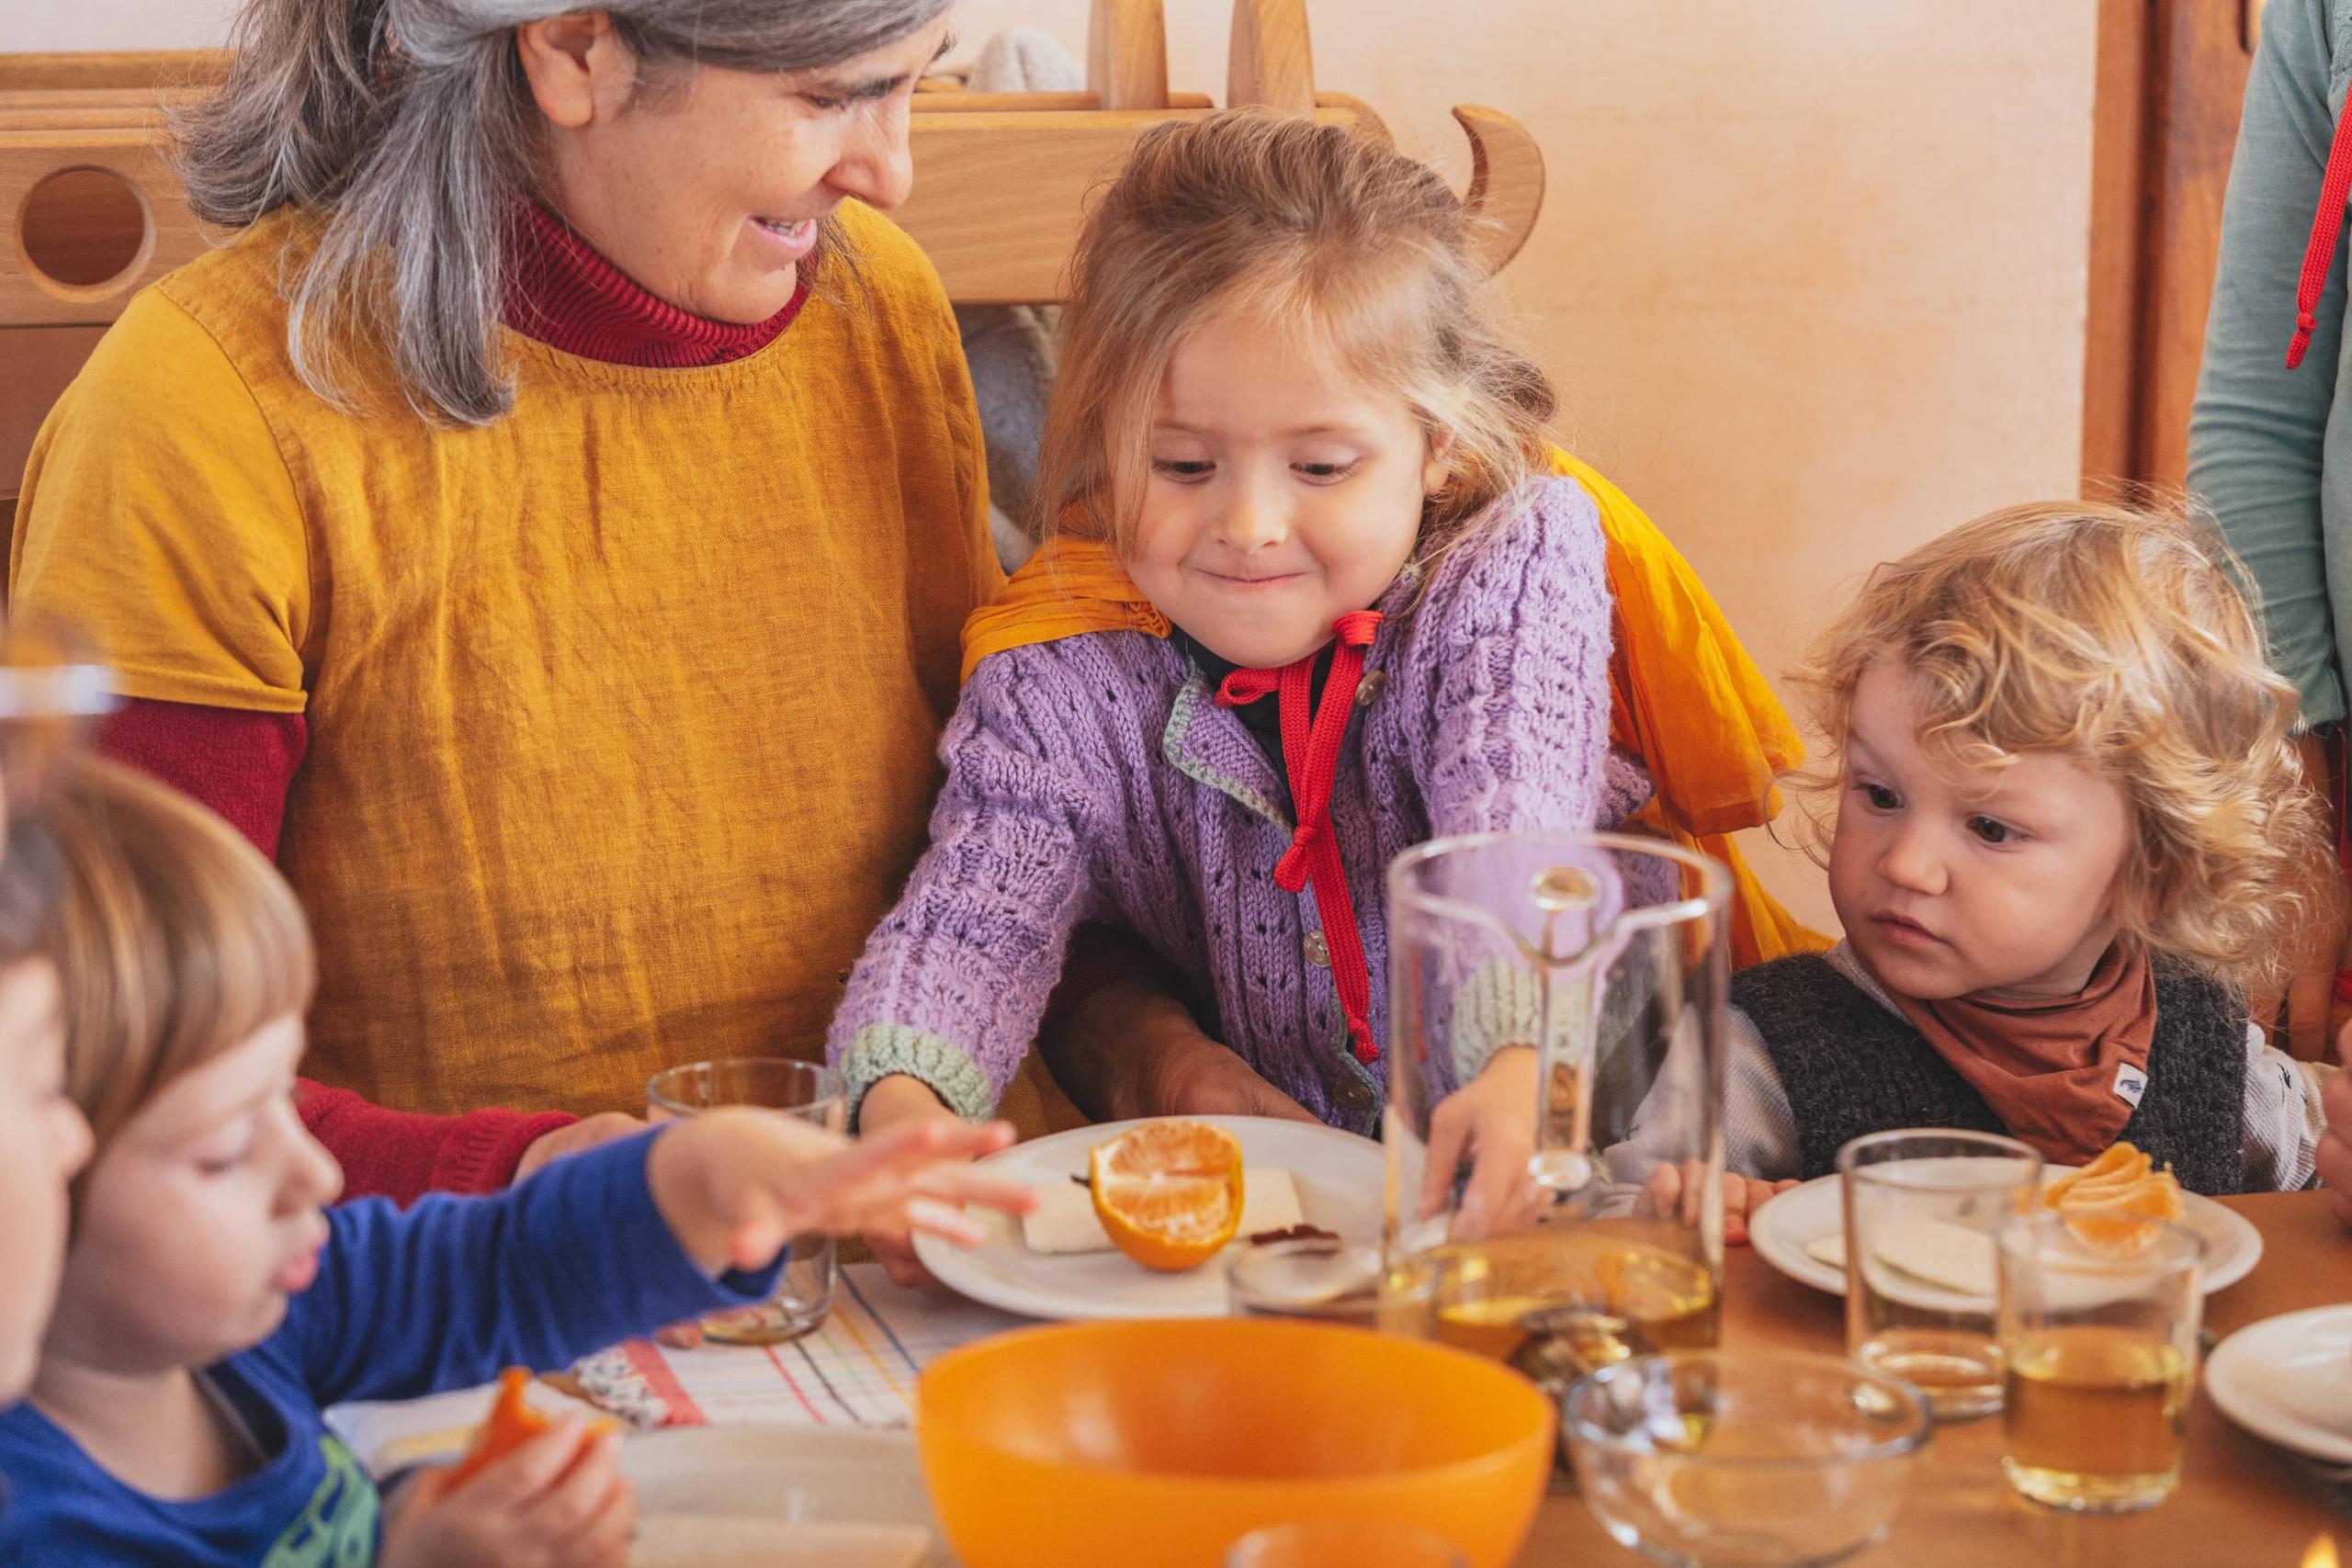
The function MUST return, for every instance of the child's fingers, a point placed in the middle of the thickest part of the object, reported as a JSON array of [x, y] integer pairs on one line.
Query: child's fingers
[[536, 1463], [956, 1184], [422, 1490], [897, 1259], [1740, 1197], [575, 1496], [759, 1227], [1502, 1195], [970, 1140], [950, 1224], [602, 1540], [1449, 1133], [1662, 1193]]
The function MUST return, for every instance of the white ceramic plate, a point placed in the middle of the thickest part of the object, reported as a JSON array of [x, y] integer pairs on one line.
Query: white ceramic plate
[[1781, 1230], [1338, 1175], [784, 1475], [2289, 1380]]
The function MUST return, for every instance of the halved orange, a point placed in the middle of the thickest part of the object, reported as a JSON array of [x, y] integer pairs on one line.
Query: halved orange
[[1168, 1193]]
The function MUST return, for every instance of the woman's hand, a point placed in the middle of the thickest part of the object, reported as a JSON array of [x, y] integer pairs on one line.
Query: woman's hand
[[1490, 1122], [584, 1134], [1674, 1190], [1204, 1078], [736, 1185], [557, 1501], [899, 1100]]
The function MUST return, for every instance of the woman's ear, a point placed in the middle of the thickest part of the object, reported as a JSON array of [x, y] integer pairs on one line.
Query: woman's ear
[[577, 67]]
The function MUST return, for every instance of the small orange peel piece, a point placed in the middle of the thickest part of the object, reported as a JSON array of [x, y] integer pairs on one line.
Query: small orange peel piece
[[511, 1423], [1168, 1193]]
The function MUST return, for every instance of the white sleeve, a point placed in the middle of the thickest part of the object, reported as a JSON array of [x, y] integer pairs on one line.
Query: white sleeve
[[1759, 1129], [2284, 1121]]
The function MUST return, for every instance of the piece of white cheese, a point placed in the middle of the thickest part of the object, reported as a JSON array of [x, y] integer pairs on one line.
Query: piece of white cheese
[[1952, 1255], [1064, 1219]]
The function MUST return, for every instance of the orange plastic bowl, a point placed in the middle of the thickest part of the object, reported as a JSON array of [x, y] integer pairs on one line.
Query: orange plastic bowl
[[1158, 1444]]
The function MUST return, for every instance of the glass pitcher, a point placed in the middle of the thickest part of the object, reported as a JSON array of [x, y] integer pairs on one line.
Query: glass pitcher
[[1574, 985]]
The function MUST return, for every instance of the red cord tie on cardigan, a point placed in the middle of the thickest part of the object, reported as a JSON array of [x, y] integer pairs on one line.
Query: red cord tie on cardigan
[[2319, 254], [1311, 738]]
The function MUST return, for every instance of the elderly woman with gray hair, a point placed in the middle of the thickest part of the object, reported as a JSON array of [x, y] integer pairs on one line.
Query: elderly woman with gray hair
[[547, 528]]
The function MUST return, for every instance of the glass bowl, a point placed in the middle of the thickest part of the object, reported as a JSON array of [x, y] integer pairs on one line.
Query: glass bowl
[[1716, 1458]]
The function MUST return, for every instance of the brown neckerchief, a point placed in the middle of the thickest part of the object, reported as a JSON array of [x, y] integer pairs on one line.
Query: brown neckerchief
[[2047, 1066]]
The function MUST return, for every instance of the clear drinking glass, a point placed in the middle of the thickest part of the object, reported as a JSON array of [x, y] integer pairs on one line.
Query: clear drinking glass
[[1744, 1459], [804, 1291], [2098, 1323], [1576, 980], [1316, 1279], [1922, 1208], [1344, 1543]]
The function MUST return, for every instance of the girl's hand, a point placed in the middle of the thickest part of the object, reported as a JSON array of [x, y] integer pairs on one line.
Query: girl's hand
[[557, 1501], [736, 1185], [899, 1100], [1490, 1122], [1674, 1190]]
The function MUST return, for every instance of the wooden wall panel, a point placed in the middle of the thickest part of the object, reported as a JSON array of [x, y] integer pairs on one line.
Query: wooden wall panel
[[2171, 80]]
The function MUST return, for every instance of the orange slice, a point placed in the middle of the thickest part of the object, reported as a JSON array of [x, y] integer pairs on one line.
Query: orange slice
[[2107, 1200], [1168, 1193]]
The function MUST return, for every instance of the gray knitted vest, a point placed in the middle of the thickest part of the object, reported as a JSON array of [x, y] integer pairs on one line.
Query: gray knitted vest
[[1850, 1067]]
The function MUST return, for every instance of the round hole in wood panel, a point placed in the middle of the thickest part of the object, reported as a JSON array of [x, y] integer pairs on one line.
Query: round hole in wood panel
[[82, 229]]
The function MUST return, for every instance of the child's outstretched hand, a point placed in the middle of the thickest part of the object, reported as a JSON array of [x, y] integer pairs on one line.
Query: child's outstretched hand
[[1490, 1121], [557, 1501], [1674, 1190], [735, 1185]]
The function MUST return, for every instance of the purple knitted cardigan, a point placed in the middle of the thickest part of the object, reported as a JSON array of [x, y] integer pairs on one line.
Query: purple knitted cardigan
[[1095, 778]]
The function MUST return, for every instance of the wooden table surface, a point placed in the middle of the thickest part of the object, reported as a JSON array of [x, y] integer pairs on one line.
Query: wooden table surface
[[2241, 1503]]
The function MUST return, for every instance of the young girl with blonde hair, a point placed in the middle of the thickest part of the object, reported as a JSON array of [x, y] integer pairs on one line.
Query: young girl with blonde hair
[[1314, 597], [2069, 833], [212, 1304]]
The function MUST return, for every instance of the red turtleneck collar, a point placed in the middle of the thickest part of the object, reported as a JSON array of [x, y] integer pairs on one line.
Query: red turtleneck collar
[[562, 293]]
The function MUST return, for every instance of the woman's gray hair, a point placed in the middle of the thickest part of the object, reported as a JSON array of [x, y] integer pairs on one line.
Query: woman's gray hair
[[408, 126]]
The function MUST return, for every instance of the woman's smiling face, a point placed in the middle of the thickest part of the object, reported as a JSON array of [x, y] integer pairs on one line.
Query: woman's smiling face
[[707, 187]]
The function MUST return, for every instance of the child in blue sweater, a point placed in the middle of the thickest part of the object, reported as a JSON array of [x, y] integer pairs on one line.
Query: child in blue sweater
[[211, 1305]]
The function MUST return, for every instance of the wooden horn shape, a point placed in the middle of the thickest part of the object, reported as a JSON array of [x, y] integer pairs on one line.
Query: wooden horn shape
[[1127, 54], [1506, 184], [1271, 62]]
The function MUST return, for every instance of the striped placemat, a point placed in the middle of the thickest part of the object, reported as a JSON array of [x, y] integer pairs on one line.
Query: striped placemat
[[859, 1370]]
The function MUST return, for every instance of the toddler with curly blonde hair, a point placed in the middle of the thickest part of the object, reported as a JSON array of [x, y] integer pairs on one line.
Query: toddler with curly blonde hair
[[2066, 836]]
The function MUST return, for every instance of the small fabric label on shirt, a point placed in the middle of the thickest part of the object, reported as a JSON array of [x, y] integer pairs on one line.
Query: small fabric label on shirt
[[2131, 1083]]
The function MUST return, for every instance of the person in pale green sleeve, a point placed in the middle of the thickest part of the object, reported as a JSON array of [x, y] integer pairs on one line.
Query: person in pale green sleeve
[[2271, 434]]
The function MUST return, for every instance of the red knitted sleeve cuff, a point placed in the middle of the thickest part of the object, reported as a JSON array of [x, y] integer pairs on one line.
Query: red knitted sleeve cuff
[[484, 1147], [402, 1156]]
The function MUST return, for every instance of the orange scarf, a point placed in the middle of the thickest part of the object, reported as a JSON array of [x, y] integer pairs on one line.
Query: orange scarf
[[1684, 697], [2048, 1066]]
